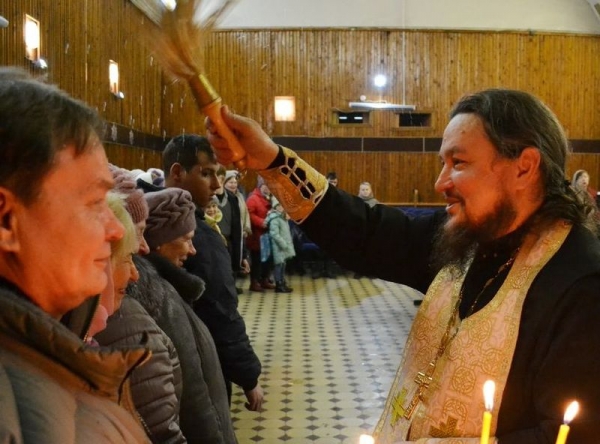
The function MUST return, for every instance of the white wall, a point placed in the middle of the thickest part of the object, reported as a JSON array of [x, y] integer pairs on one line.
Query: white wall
[[543, 15]]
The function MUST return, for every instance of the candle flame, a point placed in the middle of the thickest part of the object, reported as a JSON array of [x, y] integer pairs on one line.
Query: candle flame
[[571, 412], [489, 388], [366, 439]]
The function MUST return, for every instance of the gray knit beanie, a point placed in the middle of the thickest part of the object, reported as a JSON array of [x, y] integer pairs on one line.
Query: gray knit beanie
[[171, 216], [230, 174]]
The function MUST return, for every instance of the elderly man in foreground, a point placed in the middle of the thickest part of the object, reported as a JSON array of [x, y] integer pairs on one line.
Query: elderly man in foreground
[[55, 235]]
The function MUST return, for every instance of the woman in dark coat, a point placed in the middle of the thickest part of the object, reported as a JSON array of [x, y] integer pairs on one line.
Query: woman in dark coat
[[166, 291]]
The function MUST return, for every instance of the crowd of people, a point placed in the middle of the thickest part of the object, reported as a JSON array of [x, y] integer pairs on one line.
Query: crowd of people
[[119, 318], [119, 315]]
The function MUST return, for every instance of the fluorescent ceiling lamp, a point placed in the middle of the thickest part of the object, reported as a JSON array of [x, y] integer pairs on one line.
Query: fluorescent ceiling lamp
[[382, 105], [380, 80]]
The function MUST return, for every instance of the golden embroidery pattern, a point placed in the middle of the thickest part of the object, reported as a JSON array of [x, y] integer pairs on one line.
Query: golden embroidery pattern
[[424, 379]]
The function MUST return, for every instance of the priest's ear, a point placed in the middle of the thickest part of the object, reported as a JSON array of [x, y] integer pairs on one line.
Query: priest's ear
[[528, 174], [8, 222]]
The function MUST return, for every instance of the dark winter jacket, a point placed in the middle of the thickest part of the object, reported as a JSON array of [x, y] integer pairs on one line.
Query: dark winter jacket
[[54, 389], [166, 292], [155, 386], [235, 240], [218, 306]]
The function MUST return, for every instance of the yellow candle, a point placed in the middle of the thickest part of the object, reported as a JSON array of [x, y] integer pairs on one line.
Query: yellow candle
[[570, 413], [562, 434], [485, 430], [366, 439], [489, 388]]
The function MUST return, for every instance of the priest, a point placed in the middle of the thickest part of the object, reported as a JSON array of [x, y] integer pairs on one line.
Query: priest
[[510, 268]]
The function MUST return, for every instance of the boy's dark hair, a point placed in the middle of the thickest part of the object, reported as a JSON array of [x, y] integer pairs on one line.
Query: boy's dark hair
[[184, 149], [332, 175]]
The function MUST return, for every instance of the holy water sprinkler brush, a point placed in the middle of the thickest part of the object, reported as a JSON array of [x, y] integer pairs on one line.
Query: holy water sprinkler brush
[[178, 44]]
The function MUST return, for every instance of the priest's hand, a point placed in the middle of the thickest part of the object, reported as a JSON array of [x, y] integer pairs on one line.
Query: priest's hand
[[260, 149]]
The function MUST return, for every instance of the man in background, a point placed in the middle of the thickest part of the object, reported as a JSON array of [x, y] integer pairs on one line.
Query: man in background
[[190, 164]]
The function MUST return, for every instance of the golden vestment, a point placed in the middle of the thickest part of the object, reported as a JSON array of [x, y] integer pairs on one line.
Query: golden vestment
[[451, 408]]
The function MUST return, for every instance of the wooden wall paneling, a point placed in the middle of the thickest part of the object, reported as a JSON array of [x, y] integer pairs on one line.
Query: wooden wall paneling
[[132, 157], [255, 86], [307, 86], [62, 47], [102, 44], [322, 68], [11, 38], [432, 69]]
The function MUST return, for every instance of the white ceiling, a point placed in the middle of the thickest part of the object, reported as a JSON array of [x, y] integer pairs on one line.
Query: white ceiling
[[542, 15]]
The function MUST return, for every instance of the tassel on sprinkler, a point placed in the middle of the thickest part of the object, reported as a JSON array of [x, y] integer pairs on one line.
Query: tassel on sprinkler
[[178, 44]]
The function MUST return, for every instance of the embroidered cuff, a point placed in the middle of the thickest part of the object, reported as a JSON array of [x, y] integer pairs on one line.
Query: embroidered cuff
[[297, 185]]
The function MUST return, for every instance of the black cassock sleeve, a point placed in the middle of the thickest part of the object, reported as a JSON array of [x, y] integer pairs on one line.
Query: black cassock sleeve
[[380, 241]]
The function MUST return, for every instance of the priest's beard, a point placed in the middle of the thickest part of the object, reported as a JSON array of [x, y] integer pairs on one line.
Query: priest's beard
[[454, 246]]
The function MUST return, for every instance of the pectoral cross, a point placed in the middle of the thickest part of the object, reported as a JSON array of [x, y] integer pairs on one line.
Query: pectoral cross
[[423, 380]]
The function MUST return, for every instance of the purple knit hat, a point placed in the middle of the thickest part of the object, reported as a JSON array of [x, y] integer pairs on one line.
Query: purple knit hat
[[171, 216], [134, 199]]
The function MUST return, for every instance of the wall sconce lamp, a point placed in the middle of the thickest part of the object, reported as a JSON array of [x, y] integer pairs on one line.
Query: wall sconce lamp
[[32, 42], [285, 108], [3, 22], [113, 78]]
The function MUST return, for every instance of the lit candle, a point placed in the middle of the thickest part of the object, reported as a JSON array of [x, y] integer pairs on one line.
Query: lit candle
[[570, 413], [489, 388], [366, 439]]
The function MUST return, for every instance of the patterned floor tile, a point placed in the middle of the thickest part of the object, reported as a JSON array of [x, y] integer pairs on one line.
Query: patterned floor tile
[[329, 352]]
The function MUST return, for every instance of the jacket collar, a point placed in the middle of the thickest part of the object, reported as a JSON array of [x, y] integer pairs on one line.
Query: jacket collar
[[104, 369], [189, 286]]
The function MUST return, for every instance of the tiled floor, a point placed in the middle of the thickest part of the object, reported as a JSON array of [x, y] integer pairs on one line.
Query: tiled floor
[[329, 351]]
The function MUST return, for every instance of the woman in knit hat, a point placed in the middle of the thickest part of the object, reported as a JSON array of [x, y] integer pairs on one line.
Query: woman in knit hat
[[170, 225], [155, 386], [134, 202], [158, 309], [168, 292]]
